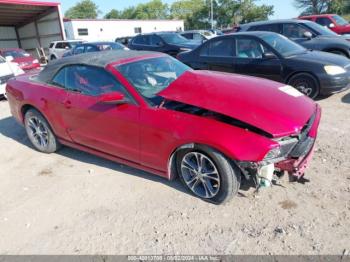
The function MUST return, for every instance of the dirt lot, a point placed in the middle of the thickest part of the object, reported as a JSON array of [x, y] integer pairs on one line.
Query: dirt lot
[[75, 203]]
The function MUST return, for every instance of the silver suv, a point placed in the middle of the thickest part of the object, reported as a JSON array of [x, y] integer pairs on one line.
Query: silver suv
[[58, 48]]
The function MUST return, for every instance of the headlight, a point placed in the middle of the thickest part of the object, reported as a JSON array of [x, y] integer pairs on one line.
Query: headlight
[[334, 70], [273, 153]]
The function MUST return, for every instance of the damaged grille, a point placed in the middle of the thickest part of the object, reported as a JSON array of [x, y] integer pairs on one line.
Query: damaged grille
[[4, 79]]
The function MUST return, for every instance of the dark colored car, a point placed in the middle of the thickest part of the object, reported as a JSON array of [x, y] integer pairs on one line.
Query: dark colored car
[[165, 42], [150, 111], [24, 60], [306, 33], [94, 47], [270, 55], [334, 22], [124, 40]]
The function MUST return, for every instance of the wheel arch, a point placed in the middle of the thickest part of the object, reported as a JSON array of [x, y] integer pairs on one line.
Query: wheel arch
[[26, 107], [171, 170]]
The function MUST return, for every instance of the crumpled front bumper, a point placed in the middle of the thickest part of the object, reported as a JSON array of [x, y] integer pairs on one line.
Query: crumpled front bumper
[[302, 154]]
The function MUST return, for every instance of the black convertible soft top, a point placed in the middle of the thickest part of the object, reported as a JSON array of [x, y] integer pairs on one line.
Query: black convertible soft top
[[99, 59]]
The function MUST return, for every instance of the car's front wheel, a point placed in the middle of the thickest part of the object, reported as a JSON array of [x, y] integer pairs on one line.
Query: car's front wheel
[[39, 132], [208, 174], [306, 84]]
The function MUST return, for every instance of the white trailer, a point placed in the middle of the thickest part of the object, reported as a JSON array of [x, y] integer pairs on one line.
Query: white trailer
[[110, 29], [29, 25]]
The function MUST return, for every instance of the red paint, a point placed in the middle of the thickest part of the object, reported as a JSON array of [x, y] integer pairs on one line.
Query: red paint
[[145, 137], [253, 100], [339, 29], [25, 62]]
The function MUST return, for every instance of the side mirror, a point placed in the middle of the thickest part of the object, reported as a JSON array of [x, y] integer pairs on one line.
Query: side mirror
[[307, 35], [67, 48], [113, 98], [270, 55], [331, 25], [9, 58]]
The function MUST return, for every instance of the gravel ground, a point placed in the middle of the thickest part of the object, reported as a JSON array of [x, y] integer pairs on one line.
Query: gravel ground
[[75, 203]]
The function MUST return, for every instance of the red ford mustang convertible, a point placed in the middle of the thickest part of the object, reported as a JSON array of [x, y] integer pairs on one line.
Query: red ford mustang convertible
[[150, 111]]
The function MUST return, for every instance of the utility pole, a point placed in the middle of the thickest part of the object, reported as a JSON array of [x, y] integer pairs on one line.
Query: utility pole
[[211, 14]]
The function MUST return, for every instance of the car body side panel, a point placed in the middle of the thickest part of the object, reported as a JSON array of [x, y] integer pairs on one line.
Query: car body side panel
[[164, 130], [47, 99]]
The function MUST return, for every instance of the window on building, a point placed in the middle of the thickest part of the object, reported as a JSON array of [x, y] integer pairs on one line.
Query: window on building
[[83, 31], [137, 30]]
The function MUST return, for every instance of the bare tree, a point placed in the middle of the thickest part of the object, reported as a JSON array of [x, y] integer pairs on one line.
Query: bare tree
[[313, 6]]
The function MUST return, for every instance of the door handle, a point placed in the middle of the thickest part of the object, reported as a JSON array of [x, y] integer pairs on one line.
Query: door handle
[[67, 104]]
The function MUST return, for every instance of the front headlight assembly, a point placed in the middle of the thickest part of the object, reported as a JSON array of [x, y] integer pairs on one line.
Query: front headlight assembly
[[334, 70], [282, 151]]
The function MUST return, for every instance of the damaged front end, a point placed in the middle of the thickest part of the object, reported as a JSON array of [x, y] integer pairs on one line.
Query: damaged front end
[[292, 156]]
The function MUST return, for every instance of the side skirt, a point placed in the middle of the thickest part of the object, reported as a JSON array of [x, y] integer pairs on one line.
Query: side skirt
[[113, 158]]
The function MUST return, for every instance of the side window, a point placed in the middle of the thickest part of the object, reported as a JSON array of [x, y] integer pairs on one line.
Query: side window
[[91, 48], [294, 31], [59, 45], [79, 50], [155, 40], [324, 21], [197, 36], [51, 45], [249, 48], [271, 28], [89, 80], [60, 78], [219, 48], [141, 40]]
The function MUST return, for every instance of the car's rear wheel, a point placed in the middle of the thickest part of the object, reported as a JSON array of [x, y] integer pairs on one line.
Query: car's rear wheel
[[208, 174], [39, 132], [306, 84]]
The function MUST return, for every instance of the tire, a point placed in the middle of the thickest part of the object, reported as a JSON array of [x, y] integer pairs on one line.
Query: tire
[[306, 84], [39, 132], [224, 177]]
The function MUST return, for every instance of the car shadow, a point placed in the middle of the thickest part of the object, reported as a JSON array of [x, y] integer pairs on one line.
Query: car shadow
[[346, 98], [13, 130]]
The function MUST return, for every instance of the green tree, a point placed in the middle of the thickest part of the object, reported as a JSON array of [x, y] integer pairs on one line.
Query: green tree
[[251, 12], [84, 9], [154, 9], [113, 14]]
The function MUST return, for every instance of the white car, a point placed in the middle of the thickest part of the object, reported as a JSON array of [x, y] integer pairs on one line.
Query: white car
[[198, 35], [58, 48], [8, 69]]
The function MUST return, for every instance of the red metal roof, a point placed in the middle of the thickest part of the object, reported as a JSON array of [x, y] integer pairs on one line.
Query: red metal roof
[[20, 12]]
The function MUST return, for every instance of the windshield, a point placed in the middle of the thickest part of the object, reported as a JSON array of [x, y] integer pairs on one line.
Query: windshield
[[73, 44], [339, 20], [173, 38], [151, 76], [283, 45], [110, 46], [15, 53], [320, 29]]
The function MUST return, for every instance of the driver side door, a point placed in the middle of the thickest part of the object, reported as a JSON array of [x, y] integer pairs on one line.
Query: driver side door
[[109, 128]]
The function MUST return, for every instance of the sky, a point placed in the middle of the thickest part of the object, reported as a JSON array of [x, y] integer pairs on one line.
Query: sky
[[283, 8]]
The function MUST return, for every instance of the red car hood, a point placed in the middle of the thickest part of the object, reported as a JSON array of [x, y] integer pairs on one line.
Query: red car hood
[[270, 106], [23, 59]]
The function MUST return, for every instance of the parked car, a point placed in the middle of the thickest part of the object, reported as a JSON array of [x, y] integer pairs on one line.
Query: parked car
[[198, 35], [58, 48], [332, 21], [94, 47], [273, 56], [165, 42], [306, 33], [8, 70], [124, 40], [150, 111], [24, 60]]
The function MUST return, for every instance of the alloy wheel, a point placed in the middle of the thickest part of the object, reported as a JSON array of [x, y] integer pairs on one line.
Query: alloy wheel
[[38, 132], [200, 175]]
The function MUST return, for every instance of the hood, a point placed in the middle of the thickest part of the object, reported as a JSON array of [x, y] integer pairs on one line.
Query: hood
[[322, 58], [24, 59], [337, 39], [270, 106]]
